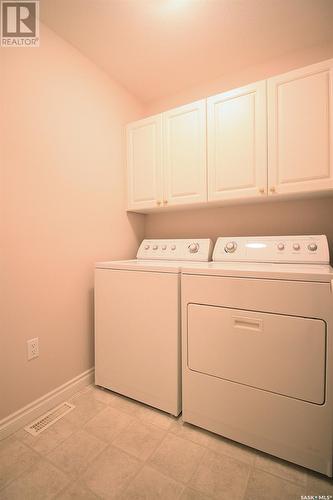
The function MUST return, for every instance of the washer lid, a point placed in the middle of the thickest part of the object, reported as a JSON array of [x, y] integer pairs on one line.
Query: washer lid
[[293, 272], [162, 266]]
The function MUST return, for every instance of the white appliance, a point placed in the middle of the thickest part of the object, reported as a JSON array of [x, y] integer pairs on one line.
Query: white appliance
[[258, 346], [137, 321]]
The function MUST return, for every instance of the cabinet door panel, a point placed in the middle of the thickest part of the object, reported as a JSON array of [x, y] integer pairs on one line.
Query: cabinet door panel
[[300, 135], [237, 150], [184, 131], [144, 161]]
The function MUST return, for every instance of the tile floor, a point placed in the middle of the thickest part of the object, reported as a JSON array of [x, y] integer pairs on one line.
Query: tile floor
[[112, 447]]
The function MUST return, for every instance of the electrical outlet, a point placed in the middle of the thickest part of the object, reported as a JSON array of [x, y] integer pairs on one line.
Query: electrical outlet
[[33, 348]]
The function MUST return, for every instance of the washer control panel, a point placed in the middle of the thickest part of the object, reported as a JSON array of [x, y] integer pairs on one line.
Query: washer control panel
[[285, 249], [196, 249]]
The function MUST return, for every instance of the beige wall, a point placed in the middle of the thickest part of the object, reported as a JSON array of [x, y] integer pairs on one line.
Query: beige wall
[[310, 216], [290, 217], [62, 208]]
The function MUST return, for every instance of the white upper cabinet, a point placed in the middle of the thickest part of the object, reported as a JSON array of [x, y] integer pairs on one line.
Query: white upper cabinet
[[300, 130], [269, 138], [237, 143], [144, 163], [184, 158]]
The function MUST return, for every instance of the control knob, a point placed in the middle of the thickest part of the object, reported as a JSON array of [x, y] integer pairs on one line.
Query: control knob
[[155, 247], [296, 246], [193, 247], [173, 247], [230, 247], [147, 247], [280, 246], [312, 247], [164, 247]]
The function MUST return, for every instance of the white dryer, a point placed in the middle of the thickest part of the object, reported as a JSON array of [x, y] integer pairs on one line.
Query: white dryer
[[137, 321], [258, 346]]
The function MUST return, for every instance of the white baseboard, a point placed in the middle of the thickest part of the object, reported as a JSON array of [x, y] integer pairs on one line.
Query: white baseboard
[[33, 410]]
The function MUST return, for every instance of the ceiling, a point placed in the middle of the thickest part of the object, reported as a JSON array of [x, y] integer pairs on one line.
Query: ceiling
[[156, 48]]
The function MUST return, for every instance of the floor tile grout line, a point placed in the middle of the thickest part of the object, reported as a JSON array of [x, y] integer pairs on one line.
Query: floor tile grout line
[[29, 469], [145, 464], [77, 431], [132, 455], [206, 446], [151, 424], [39, 458], [90, 418], [2, 488], [74, 477], [82, 473], [134, 419], [114, 437], [142, 462], [281, 477], [71, 476], [251, 471], [123, 490], [304, 470], [250, 468], [197, 467], [63, 490], [185, 483]]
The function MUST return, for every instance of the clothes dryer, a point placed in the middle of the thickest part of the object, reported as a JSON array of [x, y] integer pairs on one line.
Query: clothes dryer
[[258, 346]]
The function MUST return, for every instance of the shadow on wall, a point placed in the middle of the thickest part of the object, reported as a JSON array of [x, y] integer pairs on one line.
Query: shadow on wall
[[308, 216], [134, 220], [91, 323]]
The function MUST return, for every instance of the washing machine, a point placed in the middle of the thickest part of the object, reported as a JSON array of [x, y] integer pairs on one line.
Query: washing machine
[[257, 333], [137, 321]]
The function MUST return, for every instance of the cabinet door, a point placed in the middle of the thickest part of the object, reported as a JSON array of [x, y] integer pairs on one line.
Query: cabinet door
[[184, 131], [300, 130], [237, 143], [144, 163]]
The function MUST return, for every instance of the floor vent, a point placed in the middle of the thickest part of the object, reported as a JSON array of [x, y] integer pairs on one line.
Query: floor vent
[[48, 419]]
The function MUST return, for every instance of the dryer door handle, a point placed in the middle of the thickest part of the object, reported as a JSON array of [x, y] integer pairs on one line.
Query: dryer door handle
[[246, 323]]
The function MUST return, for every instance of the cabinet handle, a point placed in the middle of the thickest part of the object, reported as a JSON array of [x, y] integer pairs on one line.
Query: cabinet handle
[[158, 202], [272, 189], [165, 202], [262, 190]]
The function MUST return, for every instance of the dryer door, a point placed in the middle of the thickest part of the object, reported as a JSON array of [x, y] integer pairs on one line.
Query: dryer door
[[272, 352]]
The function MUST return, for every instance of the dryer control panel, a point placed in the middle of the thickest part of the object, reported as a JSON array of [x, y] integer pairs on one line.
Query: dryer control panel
[[189, 250], [279, 249]]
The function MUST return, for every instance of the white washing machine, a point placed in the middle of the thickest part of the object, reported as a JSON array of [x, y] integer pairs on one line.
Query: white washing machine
[[137, 321], [258, 346]]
